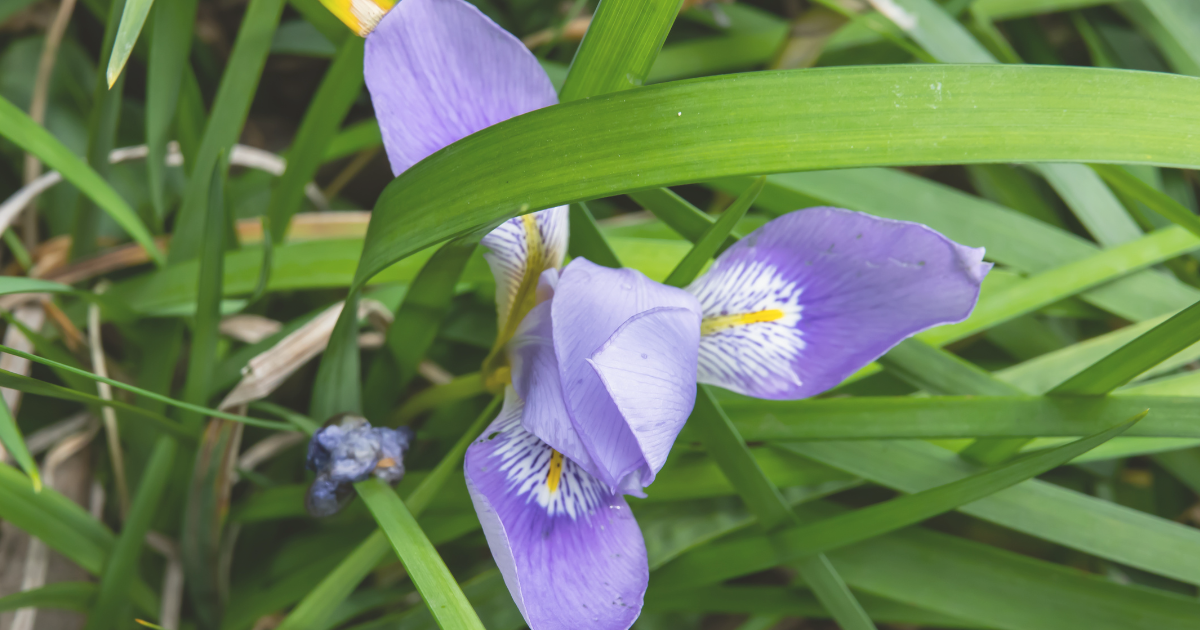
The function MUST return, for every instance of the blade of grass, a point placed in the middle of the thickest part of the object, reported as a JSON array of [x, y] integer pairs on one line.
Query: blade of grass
[[425, 567], [1123, 365], [132, 19], [619, 47], [170, 41], [761, 115], [19, 128], [103, 119], [338, 385], [64, 595], [1035, 507], [10, 437], [689, 221], [714, 237], [20, 382], [338, 90], [229, 110], [827, 535], [586, 239], [417, 322], [1124, 181], [729, 450]]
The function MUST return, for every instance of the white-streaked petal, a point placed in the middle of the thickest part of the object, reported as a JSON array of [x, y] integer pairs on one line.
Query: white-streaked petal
[[518, 252], [570, 551], [812, 296]]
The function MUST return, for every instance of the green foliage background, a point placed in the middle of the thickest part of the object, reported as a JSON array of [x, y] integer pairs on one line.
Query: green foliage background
[[1034, 467]]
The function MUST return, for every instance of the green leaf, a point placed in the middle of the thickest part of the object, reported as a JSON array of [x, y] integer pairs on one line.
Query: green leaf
[[18, 127], [689, 221], [338, 385], [338, 90], [425, 567], [586, 240], [132, 19], [941, 35], [1035, 507], [729, 450], [35, 386], [937, 417], [1011, 9], [121, 566], [229, 110], [29, 385], [1159, 344], [63, 595], [425, 307], [756, 554], [1156, 200], [714, 238], [23, 284], [10, 437], [619, 47], [170, 41], [736, 125]]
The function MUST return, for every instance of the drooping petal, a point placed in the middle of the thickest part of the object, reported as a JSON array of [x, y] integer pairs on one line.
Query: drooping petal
[[439, 70], [519, 251], [590, 303], [570, 551], [812, 296], [649, 369], [536, 380]]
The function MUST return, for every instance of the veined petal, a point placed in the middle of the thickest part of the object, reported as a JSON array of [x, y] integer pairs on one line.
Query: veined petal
[[812, 296], [439, 70], [520, 250], [570, 551], [536, 380], [590, 303], [649, 369]]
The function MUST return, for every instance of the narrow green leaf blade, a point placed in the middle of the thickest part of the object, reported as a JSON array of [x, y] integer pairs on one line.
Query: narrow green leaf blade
[[10, 437], [619, 47], [1158, 201], [132, 20], [1155, 346], [428, 571], [753, 555], [750, 124], [714, 237]]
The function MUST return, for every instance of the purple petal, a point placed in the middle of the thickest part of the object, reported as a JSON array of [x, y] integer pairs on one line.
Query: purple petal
[[649, 368], [536, 380], [570, 551], [519, 251], [439, 70], [809, 298], [590, 303]]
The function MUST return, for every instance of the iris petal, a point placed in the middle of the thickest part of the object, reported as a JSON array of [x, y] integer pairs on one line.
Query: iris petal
[[439, 70], [648, 368], [590, 304], [809, 298], [519, 251], [570, 550]]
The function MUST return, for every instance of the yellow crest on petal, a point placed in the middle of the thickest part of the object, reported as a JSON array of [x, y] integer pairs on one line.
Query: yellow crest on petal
[[360, 15]]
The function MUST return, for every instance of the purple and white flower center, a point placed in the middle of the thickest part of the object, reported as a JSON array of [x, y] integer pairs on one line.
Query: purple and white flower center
[[542, 475], [750, 326]]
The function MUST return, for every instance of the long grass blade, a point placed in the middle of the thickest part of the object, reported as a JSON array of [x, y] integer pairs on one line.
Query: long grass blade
[[714, 237]]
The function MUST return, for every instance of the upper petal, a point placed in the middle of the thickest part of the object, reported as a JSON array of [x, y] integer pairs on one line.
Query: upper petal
[[812, 296], [439, 70], [649, 369], [520, 250], [535, 378], [590, 303], [570, 551]]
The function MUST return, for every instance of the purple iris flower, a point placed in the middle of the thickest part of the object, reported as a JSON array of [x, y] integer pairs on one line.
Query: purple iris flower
[[599, 366]]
